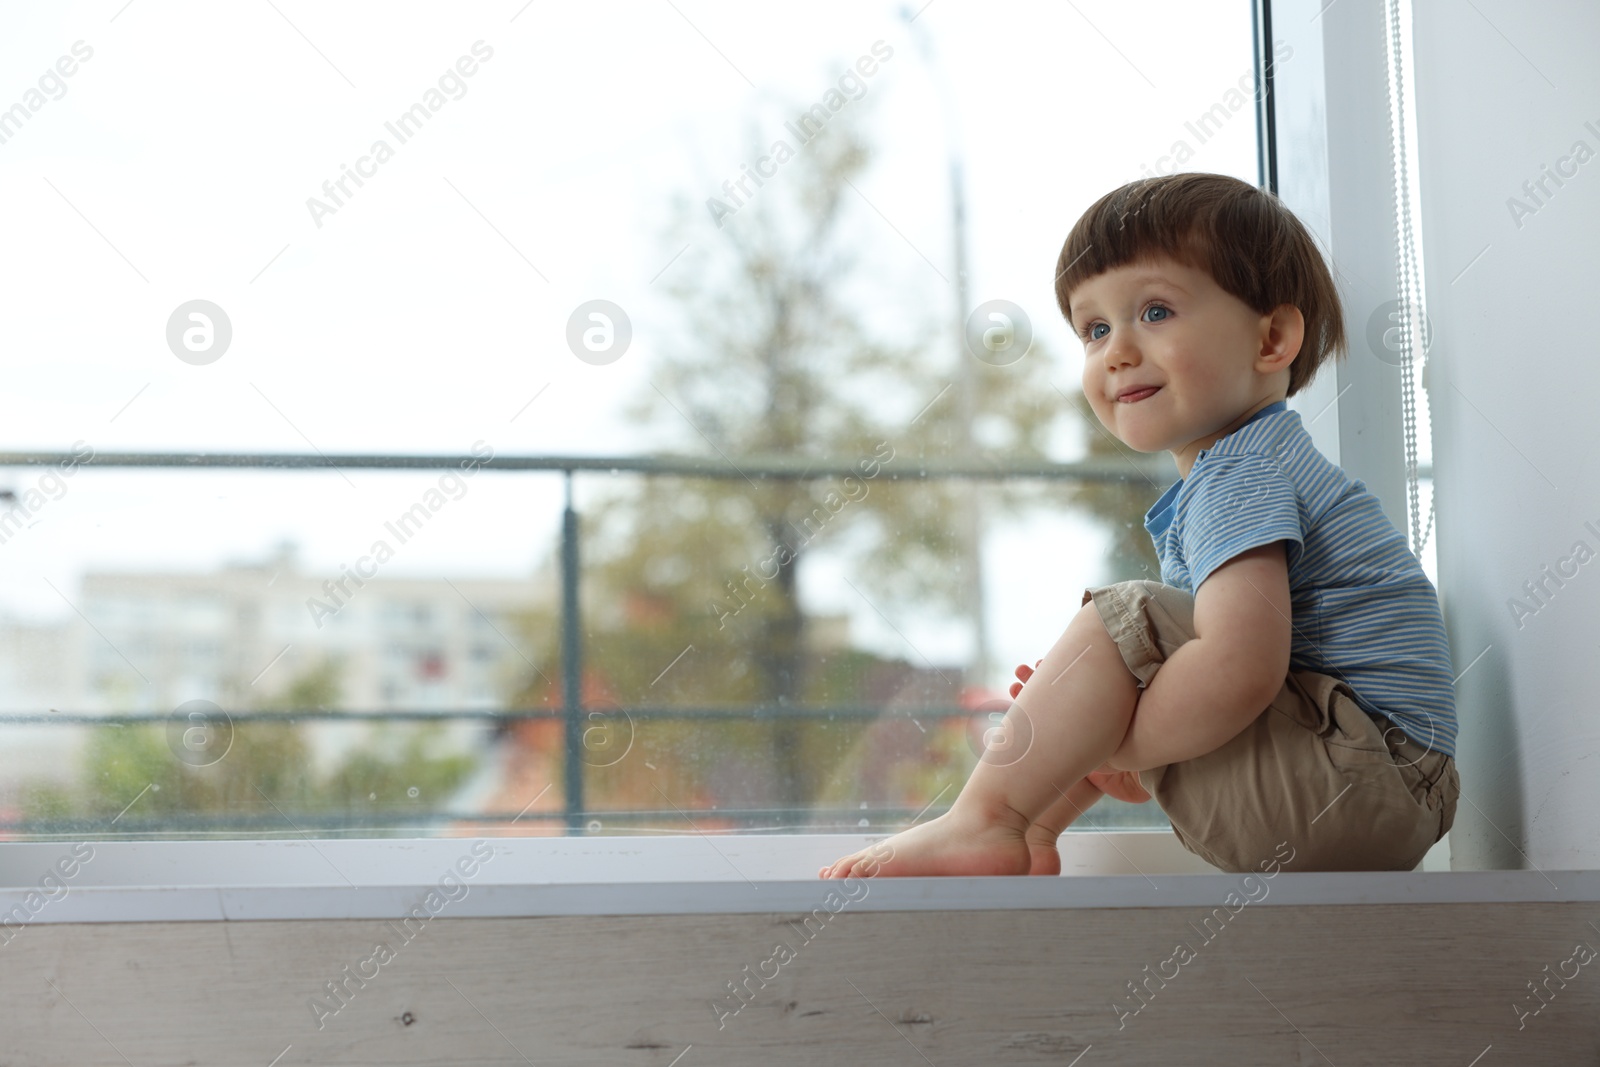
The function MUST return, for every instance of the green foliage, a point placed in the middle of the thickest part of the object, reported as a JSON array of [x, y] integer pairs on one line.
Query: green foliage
[[132, 773], [319, 686], [382, 772]]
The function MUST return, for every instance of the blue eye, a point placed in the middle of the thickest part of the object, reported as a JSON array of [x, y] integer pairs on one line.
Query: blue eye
[[1089, 334]]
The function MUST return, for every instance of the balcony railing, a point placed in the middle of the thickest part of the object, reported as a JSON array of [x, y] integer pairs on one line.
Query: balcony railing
[[1157, 471]]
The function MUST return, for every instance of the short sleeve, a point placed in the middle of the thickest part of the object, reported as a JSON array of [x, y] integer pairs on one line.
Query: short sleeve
[[1236, 503]]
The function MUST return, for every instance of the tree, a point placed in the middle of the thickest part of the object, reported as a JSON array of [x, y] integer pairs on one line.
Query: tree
[[775, 359]]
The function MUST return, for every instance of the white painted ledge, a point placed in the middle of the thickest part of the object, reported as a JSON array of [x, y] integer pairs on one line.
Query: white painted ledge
[[386, 879]]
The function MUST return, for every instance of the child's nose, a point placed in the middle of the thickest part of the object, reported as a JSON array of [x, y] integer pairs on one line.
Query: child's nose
[[1123, 352]]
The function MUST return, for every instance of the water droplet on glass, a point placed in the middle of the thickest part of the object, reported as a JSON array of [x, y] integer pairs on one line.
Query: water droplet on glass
[[413, 791], [594, 826], [372, 796], [864, 822]]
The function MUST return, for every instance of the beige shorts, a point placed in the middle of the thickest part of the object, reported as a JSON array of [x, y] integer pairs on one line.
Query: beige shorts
[[1346, 791]]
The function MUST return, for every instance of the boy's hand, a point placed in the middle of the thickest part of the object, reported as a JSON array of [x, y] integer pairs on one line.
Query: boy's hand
[[1023, 672]]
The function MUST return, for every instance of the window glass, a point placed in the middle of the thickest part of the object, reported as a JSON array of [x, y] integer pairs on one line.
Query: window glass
[[798, 257]]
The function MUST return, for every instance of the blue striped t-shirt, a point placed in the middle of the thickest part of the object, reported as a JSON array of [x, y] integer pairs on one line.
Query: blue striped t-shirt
[[1363, 609]]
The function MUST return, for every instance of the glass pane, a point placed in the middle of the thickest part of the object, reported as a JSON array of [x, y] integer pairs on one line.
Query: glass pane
[[726, 286]]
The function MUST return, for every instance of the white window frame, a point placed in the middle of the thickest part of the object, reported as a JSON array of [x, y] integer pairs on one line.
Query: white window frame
[[1330, 102]]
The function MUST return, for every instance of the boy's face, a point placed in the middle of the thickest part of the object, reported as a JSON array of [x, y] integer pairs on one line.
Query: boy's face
[[1210, 360]]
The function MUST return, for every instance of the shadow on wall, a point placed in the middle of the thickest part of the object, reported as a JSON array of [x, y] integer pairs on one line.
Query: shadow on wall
[[1490, 765]]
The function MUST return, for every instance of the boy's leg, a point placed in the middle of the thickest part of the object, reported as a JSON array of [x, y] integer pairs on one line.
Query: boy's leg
[[1041, 836], [1068, 718], [1312, 782]]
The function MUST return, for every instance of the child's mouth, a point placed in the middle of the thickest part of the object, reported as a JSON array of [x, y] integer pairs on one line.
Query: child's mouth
[[1137, 395]]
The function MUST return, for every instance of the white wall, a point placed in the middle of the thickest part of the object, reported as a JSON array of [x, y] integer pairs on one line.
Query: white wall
[[1504, 90]]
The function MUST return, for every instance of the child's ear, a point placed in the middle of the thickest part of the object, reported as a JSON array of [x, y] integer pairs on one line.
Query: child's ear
[[1282, 333]]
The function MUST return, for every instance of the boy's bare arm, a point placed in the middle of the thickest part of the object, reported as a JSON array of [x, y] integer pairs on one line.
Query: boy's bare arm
[[1215, 685]]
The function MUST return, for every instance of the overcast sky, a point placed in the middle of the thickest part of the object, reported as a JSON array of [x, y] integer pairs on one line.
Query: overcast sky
[[432, 306]]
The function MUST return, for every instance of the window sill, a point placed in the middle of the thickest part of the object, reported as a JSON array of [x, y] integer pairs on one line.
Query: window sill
[[679, 874]]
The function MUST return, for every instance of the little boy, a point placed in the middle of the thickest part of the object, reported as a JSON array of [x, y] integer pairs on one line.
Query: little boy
[[1288, 680]]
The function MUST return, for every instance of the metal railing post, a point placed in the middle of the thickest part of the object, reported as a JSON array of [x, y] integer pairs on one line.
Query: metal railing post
[[571, 664]]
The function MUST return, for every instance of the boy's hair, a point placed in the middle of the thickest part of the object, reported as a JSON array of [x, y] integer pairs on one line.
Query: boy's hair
[[1244, 237]]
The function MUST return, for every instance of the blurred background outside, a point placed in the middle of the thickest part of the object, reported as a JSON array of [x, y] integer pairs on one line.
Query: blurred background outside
[[798, 612]]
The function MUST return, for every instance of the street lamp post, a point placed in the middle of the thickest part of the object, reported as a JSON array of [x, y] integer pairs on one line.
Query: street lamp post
[[970, 521]]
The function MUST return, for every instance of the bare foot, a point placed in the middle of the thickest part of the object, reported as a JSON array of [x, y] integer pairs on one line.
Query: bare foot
[[1042, 855], [953, 843]]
